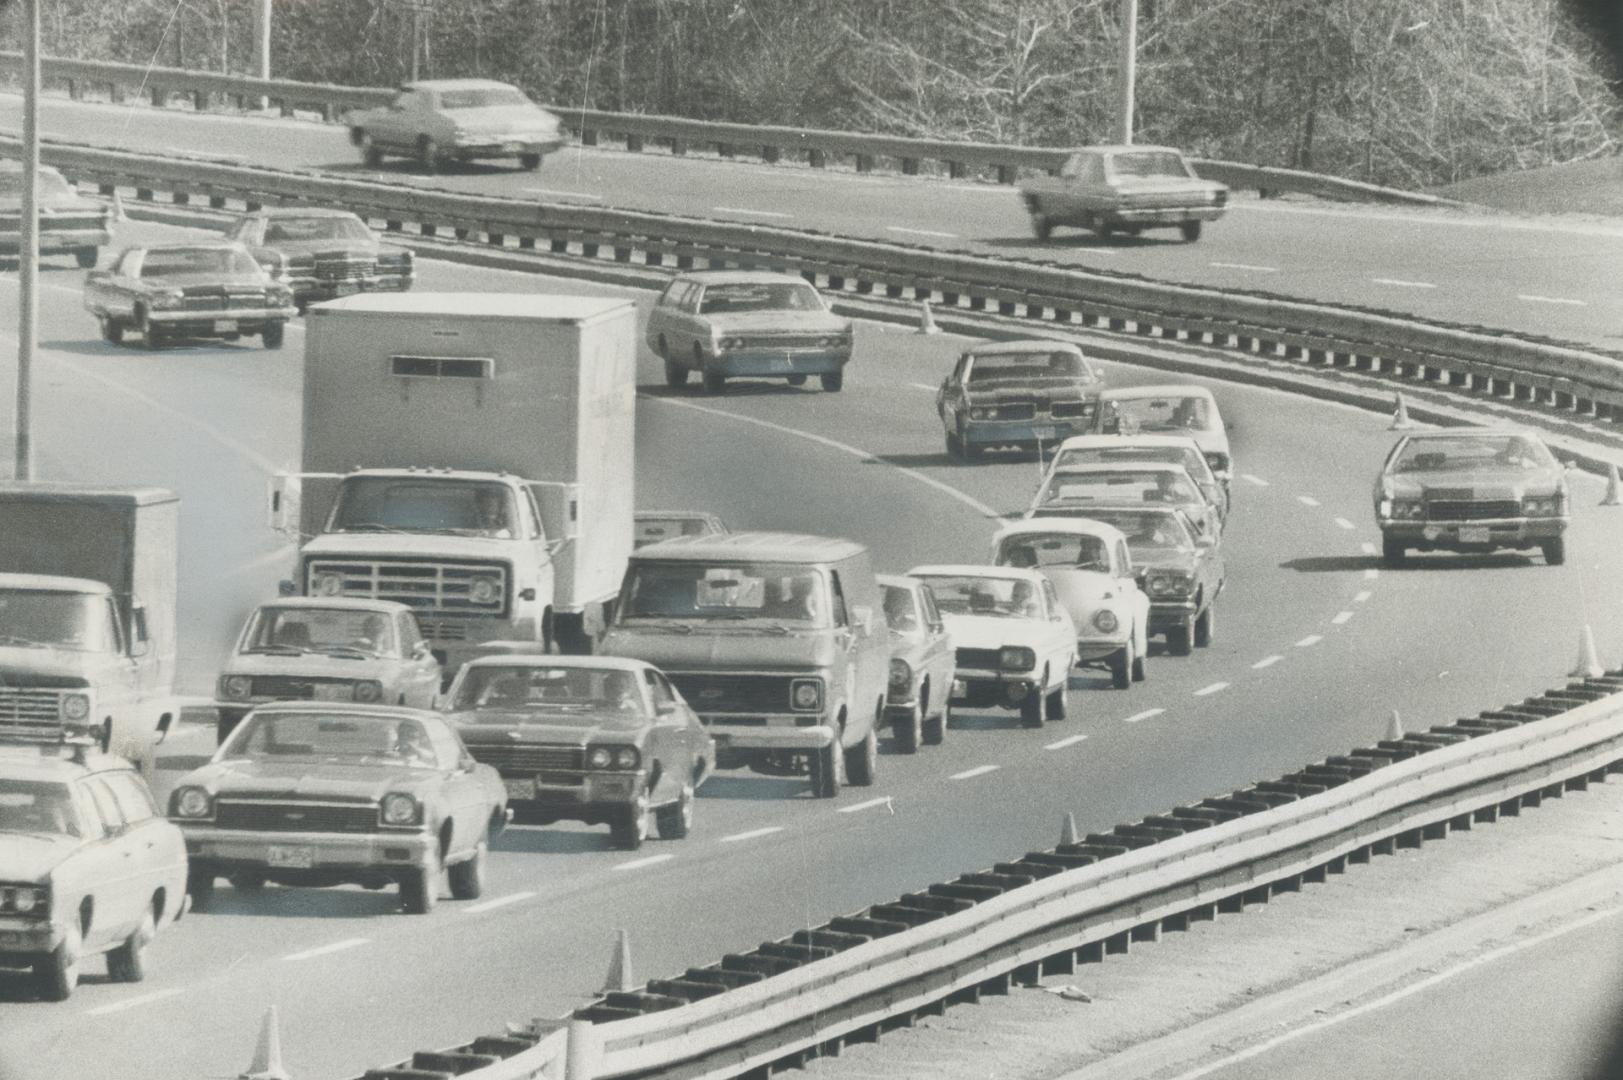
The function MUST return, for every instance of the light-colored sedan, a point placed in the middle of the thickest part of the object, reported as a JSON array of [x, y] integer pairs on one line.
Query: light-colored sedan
[[1092, 571], [1071, 491], [1014, 644], [1124, 449], [437, 121], [327, 649], [918, 702], [1173, 409]]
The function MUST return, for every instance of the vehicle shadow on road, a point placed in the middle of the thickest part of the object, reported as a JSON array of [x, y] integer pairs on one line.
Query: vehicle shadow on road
[[1331, 564], [984, 721], [751, 787], [132, 349], [1078, 241], [743, 388], [1439, 561], [294, 902], [561, 838]]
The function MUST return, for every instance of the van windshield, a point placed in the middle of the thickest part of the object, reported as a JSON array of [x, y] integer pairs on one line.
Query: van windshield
[[425, 504], [701, 591], [55, 619]]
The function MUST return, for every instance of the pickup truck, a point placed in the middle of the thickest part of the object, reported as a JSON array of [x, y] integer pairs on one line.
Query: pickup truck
[[1109, 189]]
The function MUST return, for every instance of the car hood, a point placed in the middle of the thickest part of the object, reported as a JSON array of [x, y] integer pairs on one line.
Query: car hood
[[1161, 559], [23, 666], [500, 119], [493, 726], [198, 281], [306, 779], [29, 858], [1485, 484], [783, 321], [724, 651], [989, 631], [315, 665], [384, 545], [1026, 390]]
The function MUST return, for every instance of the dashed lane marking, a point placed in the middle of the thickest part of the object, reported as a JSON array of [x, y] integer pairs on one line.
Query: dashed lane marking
[[1310, 640], [1145, 715], [883, 800], [979, 770], [1257, 480], [636, 864], [1212, 689], [1402, 284], [1307, 500], [1361, 597], [1535, 299], [921, 232], [1267, 661], [1245, 266], [1367, 548], [752, 834], [498, 902], [1371, 574], [1341, 617], [750, 213], [1063, 743], [134, 1002], [923, 386], [1345, 524], [325, 950]]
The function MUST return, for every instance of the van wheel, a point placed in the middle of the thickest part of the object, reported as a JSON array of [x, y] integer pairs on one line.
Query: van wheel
[[862, 760], [57, 974], [935, 729], [468, 877], [825, 771], [676, 820], [127, 963]]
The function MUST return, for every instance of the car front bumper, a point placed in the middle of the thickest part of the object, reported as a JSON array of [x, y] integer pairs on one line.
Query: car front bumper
[[208, 322], [593, 801], [484, 146], [28, 938], [1171, 615], [1093, 649], [1474, 535], [1022, 432], [226, 850], [1161, 215], [988, 689], [777, 731]]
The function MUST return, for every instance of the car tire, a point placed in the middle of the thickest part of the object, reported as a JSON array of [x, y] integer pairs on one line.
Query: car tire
[[200, 887], [56, 975], [676, 820], [127, 963], [908, 732], [1555, 551], [935, 728], [955, 446], [371, 156], [862, 760], [796, 380], [1181, 640], [529, 162], [833, 381], [428, 154], [420, 888], [86, 257], [1054, 707], [467, 878], [112, 331], [1042, 227], [1190, 231], [1031, 709], [273, 334], [714, 382], [1138, 666], [1393, 552], [1121, 666], [972, 452], [247, 881], [825, 770], [628, 828], [151, 336], [1206, 625]]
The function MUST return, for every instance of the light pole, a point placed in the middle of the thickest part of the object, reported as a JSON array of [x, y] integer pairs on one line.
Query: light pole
[[28, 245], [263, 35], [1127, 70]]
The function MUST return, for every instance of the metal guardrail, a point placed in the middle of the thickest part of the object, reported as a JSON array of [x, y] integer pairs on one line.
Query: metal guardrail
[[860, 975], [637, 131], [1560, 376]]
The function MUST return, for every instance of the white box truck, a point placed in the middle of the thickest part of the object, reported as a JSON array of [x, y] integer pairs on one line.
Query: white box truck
[[470, 455]]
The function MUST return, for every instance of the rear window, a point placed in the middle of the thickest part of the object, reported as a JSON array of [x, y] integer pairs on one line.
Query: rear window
[[1032, 365], [482, 98], [759, 296]]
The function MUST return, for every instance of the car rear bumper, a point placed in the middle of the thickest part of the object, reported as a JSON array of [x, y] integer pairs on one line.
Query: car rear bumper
[[765, 362], [479, 147], [1161, 215], [56, 241]]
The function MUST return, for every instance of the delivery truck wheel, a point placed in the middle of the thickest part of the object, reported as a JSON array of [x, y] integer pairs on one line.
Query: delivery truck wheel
[[273, 333], [572, 636], [112, 331]]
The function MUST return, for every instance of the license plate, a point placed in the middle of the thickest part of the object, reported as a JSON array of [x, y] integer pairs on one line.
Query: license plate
[[960, 689], [1044, 431], [520, 789], [1475, 534], [225, 326], [291, 858], [332, 692]]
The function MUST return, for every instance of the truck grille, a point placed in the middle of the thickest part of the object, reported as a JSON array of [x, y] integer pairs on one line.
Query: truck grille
[[978, 659], [444, 629], [295, 687], [441, 588], [29, 713], [1472, 509], [720, 692], [554, 764], [295, 816]]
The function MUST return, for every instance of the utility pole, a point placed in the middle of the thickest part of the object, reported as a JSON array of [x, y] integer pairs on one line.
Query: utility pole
[[28, 245], [416, 37], [1127, 70], [263, 36]]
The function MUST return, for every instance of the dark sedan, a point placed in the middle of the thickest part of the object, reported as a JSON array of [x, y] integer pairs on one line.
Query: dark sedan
[[322, 254], [172, 292], [321, 794], [68, 222], [1022, 394], [601, 740]]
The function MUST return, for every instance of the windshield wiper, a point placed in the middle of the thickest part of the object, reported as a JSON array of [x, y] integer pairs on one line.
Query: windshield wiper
[[371, 526], [22, 642], [279, 650], [347, 650]]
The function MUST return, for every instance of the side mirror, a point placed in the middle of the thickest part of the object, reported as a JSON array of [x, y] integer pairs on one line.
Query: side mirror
[[285, 587], [140, 638], [421, 651], [862, 615]]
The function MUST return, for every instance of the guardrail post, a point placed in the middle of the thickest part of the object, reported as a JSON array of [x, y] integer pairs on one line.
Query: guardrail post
[[75, 91], [582, 1051], [588, 137], [159, 96], [816, 158], [200, 100], [679, 146], [634, 142], [864, 163], [115, 93]]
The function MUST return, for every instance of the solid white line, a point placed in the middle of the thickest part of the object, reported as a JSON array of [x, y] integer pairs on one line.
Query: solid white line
[[1307, 500], [1063, 743], [635, 864], [1403, 284], [752, 834], [751, 213], [946, 489], [921, 232], [1361, 597], [883, 800], [500, 901], [1267, 661], [1371, 574], [323, 950], [1367, 548], [130, 1003], [979, 770], [1257, 480], [1311, 639], [1145, 715], [1212, 689], [1551, 300], [565, 194], [1344, 523], [1341, 617], [1245, 266]]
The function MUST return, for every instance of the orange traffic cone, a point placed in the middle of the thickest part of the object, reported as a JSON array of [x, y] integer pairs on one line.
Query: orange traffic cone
[[1614, 490], [927, 319], [267, 1063], [1394, 727], [1588, 665], [118, 207], [1067, 832], [620, 979], [1400, 418]]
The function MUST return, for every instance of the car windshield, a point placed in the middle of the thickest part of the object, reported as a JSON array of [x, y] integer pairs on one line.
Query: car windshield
[[693, 590], [1009, 598], [901, 612], [995, 367], [651, 530], [197, 262], [1073, 550], [759, 296], [1120, 486], [49, 184], [38, 806], [294, 230], [1161, 531], [350, 740], [1189, 457], [553, 694], [1131, 415], [421, 504], [306, 629], [1149, 163], [1473, 453], [484, 97], [52, 618]]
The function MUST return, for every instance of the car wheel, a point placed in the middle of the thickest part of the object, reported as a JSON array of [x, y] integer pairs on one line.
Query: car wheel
[[1041, 227], [714, 382], [420, 888], [428, 154], [825, 771], [112, 331], [1190, 230], [797, 380], [529, 162], [1121, 666], [1055, 706], [1392, 551], [1206, 625], [151, 336], [371, 156], [935, 728], [676, 820], [676, 376], [1031, 709], [862, 760], [127, 963], [57, 974], [1138, 666], [972, 451], [247, 881], [629, 826], [85, 257], [832, 381], [908, 732], [1181, 640], [272, 335], [468, 877], [1555, 551], [200, 887]]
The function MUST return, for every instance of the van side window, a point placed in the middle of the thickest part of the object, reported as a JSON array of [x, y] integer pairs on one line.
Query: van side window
[[840, 617]]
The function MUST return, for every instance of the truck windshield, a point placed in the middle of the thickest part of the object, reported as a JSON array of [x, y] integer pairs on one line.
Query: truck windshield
[[699, 591], [50, 618], [420, 504], [552, 695]]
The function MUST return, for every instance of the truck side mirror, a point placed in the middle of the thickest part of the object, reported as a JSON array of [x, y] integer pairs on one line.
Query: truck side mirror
[[862, 614], [282, 502]]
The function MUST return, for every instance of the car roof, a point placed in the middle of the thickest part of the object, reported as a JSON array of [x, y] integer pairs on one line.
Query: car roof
[[1024, 345], [457, 84], [344, 708], [1012, 573], [1117, 442], [1474, 432], [34, 761], [1158, 390], [338, 603], [775, 547], [538, 660], [303, 212], [742, 277], [1077, 526]]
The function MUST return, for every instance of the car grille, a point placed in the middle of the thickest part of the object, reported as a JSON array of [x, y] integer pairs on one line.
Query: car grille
[[554, 764], [1472, 509], [712, 693], [443, 588], [344, 267], [29, 713], [978, 659], [293, 816], [444, 629], [1015, 412], [295, 687], [218, 299]]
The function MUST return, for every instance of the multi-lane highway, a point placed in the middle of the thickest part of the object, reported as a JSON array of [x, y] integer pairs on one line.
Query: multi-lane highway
[[1315, 646], [1547, 277]]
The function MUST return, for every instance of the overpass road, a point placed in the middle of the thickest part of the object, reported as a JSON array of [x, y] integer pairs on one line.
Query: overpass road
[[1316, 645]]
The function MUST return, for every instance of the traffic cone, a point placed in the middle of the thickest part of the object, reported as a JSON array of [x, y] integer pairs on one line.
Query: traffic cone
[[1067, 832], [267, 1063], [118, 208], [620, 979], [1394, 728], [1588, 665], [927, 319], [1614, 490], [1400, 418]]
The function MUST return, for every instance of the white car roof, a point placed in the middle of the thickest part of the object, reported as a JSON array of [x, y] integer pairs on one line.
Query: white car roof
[[1116, 442], [535, 660], [1158, 390], [1076, 526], [1006, 573]]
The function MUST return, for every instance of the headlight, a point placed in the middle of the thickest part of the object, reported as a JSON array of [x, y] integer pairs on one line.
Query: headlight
[[599, 757], [75, 706], [901, 674], [1408, 509], [1016, 658], [165, 300], [327, 585], [193, 802], [484, 590], [1105, 621], [236, 687], [368, 690], [399, 809], [627, 757], [1219, 463], [25, 899], [1542, 506], [979, 413], [1164, 585], [806, 695]]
